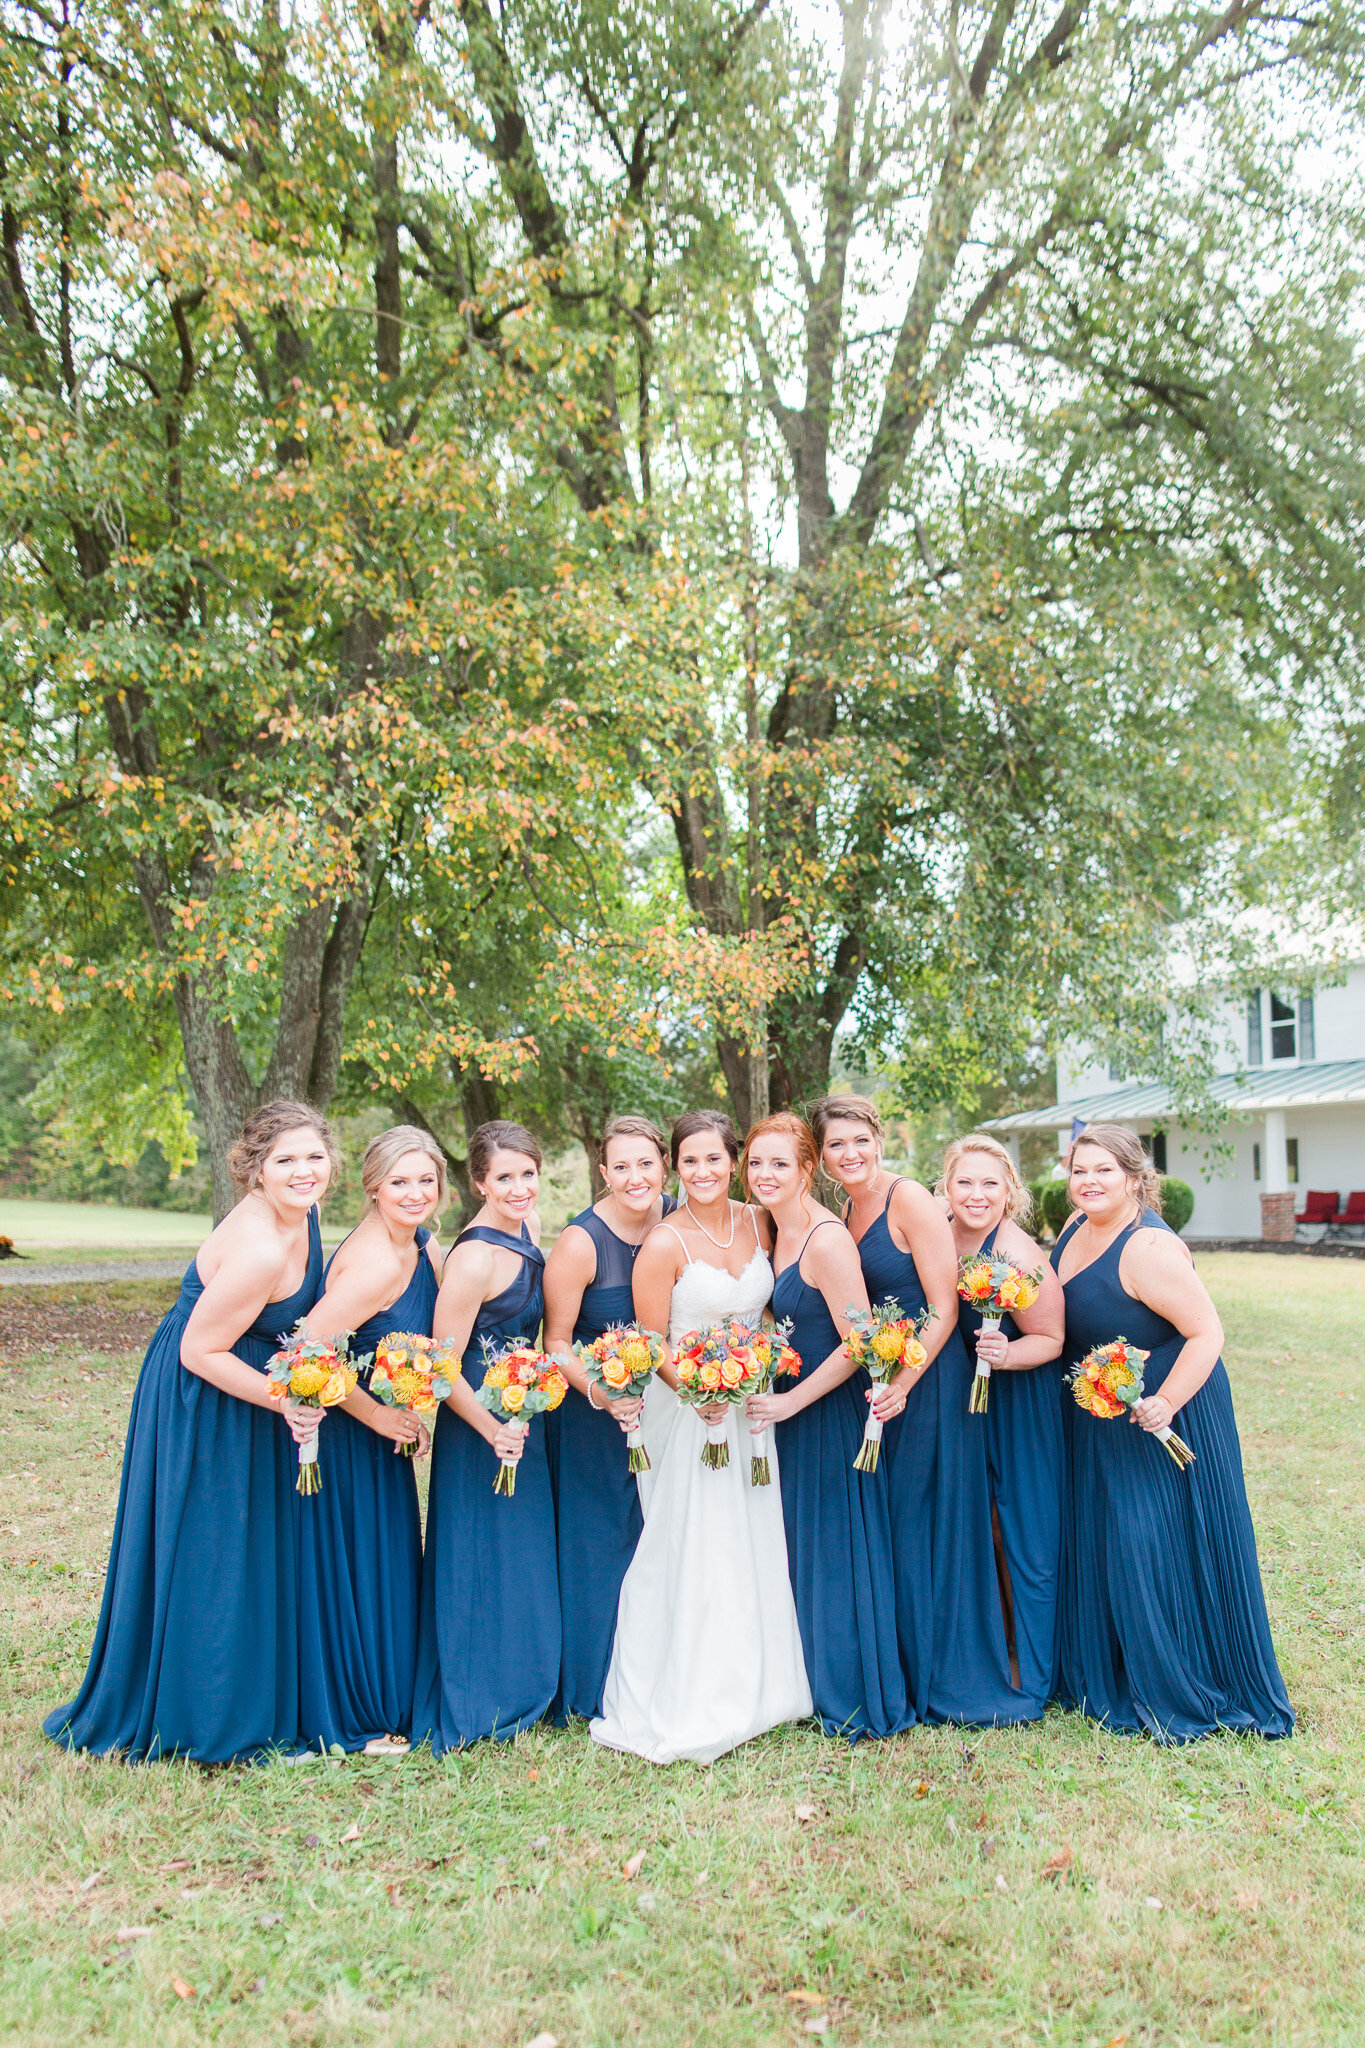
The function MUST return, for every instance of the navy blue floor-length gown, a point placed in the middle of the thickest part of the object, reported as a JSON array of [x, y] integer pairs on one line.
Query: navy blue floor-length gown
[[196, 1649], [838, 1535], [488, 1638], [360, 1558], [1163, 1621], [597, 1501], [951, 1626], [1026, 1465]]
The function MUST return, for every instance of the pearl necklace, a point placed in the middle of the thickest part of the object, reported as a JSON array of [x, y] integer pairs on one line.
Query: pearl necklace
[[730, 1210]]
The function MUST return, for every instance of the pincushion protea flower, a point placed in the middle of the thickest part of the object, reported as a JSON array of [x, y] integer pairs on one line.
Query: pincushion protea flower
[[314, 1372], [1109, 1379], [883, 1340], [623, 1361]]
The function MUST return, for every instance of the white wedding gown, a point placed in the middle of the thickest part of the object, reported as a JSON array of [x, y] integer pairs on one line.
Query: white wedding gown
[[707, 1650]]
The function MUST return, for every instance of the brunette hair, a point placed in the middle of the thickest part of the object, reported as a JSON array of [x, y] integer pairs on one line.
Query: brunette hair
[[263, 1130], [633, 1127], [693, 1120], [1020, 1200], [383, 1153], [783, 1123], [500, 1136], [1126, 1147], [857, 1108]]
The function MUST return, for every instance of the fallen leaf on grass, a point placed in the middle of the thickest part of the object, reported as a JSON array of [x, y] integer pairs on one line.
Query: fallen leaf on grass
[[287, 1829], [542, 2041], [176, 1863], [1058, 1865], [1001, 1883], [182, 1989], [921, 1790], [806, 1997], [87, 1883], [805, 1813], [1117, 2041], [819, 2024], [1154, 1903], [311, 1841], [352, 1833], [1247, 1902], [131, 1933], [633, 1865]]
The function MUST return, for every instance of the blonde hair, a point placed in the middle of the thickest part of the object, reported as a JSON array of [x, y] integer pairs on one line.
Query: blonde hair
[[383, 1153], [858, 1110], [633, 1127], [262, 1132], [1126, 1147], [783, 1124], [1020, 1200]]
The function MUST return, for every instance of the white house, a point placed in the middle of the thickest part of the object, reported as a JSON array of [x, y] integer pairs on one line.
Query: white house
[[1293, 1077]]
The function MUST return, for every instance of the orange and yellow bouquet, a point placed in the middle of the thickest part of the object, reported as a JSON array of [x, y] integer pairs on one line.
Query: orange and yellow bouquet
[[314, 1372], [775, 1359], [520, 1381], [882, 1341], [407, 1375], [1109, 1379], [995, 1285], [623, 1361], [716, 1364]]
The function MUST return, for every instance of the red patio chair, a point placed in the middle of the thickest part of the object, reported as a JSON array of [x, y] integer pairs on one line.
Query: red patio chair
[[1354, 1212], [1319, 1207]]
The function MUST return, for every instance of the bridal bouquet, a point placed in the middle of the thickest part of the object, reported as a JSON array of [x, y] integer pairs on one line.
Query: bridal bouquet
[[623, 1361], [519, 1382], [882, 1341], [315, 1373], [994, 1284], [716, 1364], [406, 1375], [773, 1357], [1109, 1379]]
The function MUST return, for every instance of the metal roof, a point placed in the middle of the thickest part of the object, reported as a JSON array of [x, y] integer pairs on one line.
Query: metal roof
[[1287, 1086]]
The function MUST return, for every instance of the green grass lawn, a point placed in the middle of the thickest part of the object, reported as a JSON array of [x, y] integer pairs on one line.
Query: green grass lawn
[[1052, 1885]]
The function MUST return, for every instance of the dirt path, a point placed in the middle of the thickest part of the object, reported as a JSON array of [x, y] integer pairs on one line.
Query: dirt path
[[28, 1273]]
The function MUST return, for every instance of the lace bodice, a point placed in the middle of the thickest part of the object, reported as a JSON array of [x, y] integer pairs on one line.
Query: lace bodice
[[703, 1294]]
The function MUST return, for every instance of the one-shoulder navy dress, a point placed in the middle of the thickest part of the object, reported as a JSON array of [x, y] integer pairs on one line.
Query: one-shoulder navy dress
[[597, 1500], [1026, 1465], [1163, 1620], [196, 1649], [952, 1628], [838, 1535], [360, 1558], [488, 1637]]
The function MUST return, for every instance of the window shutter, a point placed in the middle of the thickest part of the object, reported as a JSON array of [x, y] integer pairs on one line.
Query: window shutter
[[1306, 1047], [1254, 1028]]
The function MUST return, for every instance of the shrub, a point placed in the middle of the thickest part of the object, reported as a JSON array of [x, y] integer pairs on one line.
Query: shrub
[[1034, 1220], [1057, 1205], [1177, 1203]]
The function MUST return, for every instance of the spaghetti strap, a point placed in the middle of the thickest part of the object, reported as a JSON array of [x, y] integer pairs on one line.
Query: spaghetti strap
[[895, 1183], [807, 1238], [681, 1240]]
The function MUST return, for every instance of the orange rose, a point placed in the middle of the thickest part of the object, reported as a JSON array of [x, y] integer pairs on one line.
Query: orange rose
[[710, 1377], [615, 1372], [732, 1371]]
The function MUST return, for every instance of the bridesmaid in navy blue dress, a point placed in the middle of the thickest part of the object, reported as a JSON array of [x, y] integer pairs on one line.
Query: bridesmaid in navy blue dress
[[1025, 1448], [196, 1648], [360, 1539], [950, 1620], [597, 1499], [1163, 1616], [489, 1637], [838, 1522]]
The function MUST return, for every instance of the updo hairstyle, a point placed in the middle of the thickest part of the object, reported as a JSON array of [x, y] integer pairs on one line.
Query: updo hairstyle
[[263, 1130], [782, 1123], [857, 1109], [633, 1127], [383, 1153], [500, 1136], [1020, 1200], [1126, 1147], [694, 1120]]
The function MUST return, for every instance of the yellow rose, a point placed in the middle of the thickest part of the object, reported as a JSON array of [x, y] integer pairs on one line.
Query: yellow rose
[[731, 1372], [616, 1372], [396, 1357], [915, 1353], [337, 1387], [710, 1377], [512, 1398]]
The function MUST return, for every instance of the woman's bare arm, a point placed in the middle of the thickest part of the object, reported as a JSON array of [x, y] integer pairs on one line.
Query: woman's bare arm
[[657, 1266], [1041, 1327], [466, 1284], [1156, 1269]]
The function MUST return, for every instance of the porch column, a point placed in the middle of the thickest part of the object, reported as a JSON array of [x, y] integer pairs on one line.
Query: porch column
[[1277, 1202], [1011, 1143]]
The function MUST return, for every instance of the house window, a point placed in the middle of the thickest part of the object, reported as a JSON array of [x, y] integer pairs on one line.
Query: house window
[[1254, 1028], [1255, 1162], [1291, 1154], [1159, 1151], [1284, 1029], [1307, 1050], [1116, 1072]]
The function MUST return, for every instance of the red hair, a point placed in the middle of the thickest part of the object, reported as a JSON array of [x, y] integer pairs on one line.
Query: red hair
[[783, 1124]]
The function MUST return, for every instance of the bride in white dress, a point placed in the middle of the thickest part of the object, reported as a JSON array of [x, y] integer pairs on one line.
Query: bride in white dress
[[707, 1650]]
